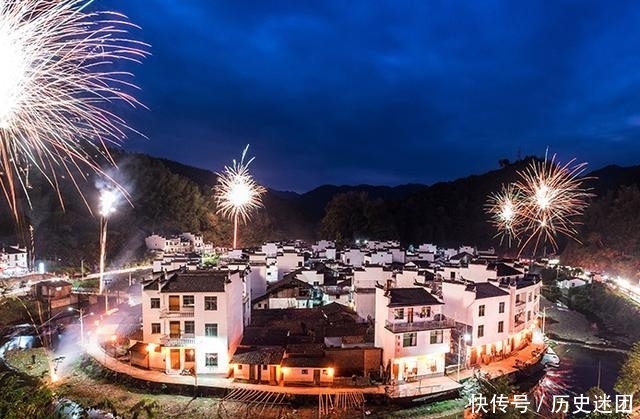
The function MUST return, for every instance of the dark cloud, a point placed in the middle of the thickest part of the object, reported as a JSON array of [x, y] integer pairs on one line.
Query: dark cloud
[[386, 92]]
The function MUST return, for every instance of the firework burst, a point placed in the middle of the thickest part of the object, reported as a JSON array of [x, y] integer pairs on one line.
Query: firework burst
[[237, 194], [542, 204], [58, 85], [504, 208]]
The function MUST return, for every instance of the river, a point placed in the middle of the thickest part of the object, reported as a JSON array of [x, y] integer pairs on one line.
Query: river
[[581, 368]]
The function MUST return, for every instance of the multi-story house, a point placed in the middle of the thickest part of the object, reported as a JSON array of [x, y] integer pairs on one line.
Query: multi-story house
[[483, 312], [412, 332], [525, 306], [13, 261], [193, 319]]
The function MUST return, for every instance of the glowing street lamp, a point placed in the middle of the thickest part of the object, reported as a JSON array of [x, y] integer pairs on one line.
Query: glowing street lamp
[[237, 193], [466, 337], [81, 312], [107, 202]]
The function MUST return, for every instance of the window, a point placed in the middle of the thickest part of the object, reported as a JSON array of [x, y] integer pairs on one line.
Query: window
[[481, 331], [211, 329], [436, 336], [501, 307], [210, 303], [481, 311], [409, 339], [190, 355], [500, 326], [528, 316], [265, 367], [426, 312], [155, 303], [155, 328], [530, 297], [398, 313], [188, 300], [211, 360], [239, 366], [190, 327], [304, 372]]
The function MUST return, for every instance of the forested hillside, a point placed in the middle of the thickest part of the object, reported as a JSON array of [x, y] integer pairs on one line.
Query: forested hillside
[[167, 197]]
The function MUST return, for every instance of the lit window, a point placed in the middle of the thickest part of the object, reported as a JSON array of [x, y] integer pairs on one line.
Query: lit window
[[190, 355]]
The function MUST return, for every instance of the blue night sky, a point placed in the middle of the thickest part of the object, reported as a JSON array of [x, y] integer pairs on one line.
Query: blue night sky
[[385, 92]]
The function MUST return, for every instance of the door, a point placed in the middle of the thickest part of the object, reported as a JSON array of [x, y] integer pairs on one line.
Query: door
[[252, 372], [174, 330], [316, 377], [175, 359], [174, 303], [410, 315], [272, 374]]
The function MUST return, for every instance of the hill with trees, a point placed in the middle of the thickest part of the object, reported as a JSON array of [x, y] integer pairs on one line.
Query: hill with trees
[[167, 197]]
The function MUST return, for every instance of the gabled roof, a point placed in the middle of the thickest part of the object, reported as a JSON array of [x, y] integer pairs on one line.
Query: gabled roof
[[195, 281], [402, 297]]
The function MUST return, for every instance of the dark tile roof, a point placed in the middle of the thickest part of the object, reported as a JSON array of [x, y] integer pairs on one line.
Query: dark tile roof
[[400, 297], [487, 290], [258, 356], [265, 336], [307, 361], [503, 269], [196, 281]]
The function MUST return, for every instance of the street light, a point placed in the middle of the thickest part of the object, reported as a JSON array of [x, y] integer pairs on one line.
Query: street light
[[107, 201], [466, 338], [81, 312]]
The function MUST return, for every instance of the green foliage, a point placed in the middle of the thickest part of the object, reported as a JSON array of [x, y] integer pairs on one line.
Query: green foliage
[[597, 300], [629, 377], [24, 398]]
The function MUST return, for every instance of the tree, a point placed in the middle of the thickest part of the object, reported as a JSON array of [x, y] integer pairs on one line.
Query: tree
[[629, 377]]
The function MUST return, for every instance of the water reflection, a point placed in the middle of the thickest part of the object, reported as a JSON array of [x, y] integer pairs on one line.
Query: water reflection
[[580, 369]]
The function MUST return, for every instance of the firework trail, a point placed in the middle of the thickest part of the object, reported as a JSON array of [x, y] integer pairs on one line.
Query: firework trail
[[237, 193], [59, 82], [543, 203]]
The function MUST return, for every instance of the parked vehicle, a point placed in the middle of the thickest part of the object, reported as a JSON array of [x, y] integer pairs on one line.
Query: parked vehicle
[[550, 359]]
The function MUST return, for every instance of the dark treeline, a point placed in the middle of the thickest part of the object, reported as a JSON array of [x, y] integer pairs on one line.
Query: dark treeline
[[166, 197]]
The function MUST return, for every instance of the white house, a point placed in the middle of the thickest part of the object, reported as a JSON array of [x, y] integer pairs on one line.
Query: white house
[[287, 261], [412, 332], [13, 261], [484, 310], [353, 257], [364, 282], [193, 319]]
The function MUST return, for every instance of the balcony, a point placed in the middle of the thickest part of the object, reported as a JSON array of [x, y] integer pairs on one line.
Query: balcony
[[179, 312], [403, 327], [185, 339]]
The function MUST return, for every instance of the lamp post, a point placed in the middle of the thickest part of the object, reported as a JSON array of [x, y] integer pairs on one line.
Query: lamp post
[[81, 312], [466, 338], [107, 200]]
